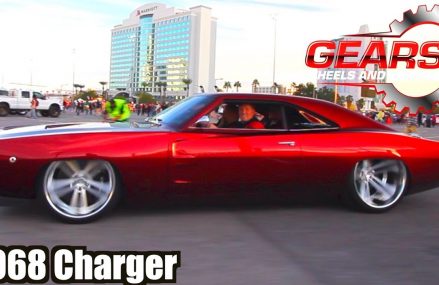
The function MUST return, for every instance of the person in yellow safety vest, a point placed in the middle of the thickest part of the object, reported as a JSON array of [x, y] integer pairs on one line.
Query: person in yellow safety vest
[[380, 116], [117, 110]]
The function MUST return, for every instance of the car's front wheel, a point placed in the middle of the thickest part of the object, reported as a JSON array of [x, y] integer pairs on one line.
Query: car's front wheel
[[377, 185], [79, 191]]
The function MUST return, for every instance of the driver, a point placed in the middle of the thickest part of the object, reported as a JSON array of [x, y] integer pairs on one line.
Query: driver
[[230, 117]]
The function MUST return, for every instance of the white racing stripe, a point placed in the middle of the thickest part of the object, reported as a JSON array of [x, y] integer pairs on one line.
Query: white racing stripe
[[52, 129]]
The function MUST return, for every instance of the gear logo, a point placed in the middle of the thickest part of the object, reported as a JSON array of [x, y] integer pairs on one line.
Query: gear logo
[[416, 57]]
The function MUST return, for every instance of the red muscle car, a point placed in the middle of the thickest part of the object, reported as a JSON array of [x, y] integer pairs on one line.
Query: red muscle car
[[216, 144]]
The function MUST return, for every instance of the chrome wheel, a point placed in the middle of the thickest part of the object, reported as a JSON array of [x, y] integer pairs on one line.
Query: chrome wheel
[[380, 183], [79, 189]]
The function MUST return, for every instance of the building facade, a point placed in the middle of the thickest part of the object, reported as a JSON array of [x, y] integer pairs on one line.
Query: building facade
[[158, 47]]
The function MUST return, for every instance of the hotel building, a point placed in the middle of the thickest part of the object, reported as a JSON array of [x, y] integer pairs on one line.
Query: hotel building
[[158, 46]]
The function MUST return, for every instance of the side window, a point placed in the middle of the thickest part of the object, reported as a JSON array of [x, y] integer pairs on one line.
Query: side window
[[25, 94], [300, 119], [4, 92], [243, 114], [39, 95]]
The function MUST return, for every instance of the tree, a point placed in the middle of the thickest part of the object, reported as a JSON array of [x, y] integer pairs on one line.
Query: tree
[[76, 86], [275, 87], [255, 84], [326, 94], [103, 83], [310, 89], [293, 87], [237, 84], [86, 95], [144, 85], [187, 82], [305, 90], [159, 85], [360, 104], [162, 86], [145, 97], [227, 85], [300, 90]]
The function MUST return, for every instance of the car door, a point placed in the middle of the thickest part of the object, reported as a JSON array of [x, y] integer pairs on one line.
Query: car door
[[325, 149], [24, 102], [223, 161], [42, 102]]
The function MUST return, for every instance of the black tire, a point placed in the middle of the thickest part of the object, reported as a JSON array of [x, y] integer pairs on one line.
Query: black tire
[[4, 110], [54, 111], [92, 188], [376, 186], [44, 113]]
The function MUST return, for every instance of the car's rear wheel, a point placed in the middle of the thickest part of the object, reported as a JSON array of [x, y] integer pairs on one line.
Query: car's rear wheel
[[79, 191], [54, 111], [377, 185]]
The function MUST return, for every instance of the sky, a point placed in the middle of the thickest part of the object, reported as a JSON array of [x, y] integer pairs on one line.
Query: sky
[[48, 42]]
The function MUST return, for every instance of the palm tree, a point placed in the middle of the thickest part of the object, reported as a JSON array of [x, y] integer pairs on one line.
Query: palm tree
[[187, 82], [227, 85], [237, 84], [162, 87], [159, 85], [144, 84], [76, 86], [103, 83], [275, 87], [255, 84], [293, 87]]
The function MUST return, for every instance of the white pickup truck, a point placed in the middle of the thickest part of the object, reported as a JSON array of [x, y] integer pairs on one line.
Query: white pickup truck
[[20, 100]]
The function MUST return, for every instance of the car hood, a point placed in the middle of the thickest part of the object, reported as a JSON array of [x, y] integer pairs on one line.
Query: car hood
[[70, 128]]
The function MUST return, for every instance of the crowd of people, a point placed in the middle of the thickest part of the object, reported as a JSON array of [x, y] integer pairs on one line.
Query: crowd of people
[[116, 109], [428, 120]]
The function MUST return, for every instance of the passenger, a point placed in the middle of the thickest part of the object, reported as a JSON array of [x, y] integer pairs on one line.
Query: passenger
[[230, 117], [274, 118], [248, 119]]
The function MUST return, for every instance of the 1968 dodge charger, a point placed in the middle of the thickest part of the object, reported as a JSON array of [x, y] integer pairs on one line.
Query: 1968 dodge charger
[[216, 144]]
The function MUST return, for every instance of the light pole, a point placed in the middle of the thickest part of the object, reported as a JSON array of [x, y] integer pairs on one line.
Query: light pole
[[274, 17], [73, 68], [133, 39], [31, 67]]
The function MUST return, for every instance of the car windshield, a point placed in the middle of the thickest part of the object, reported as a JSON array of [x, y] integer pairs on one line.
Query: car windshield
[[180, 113]]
